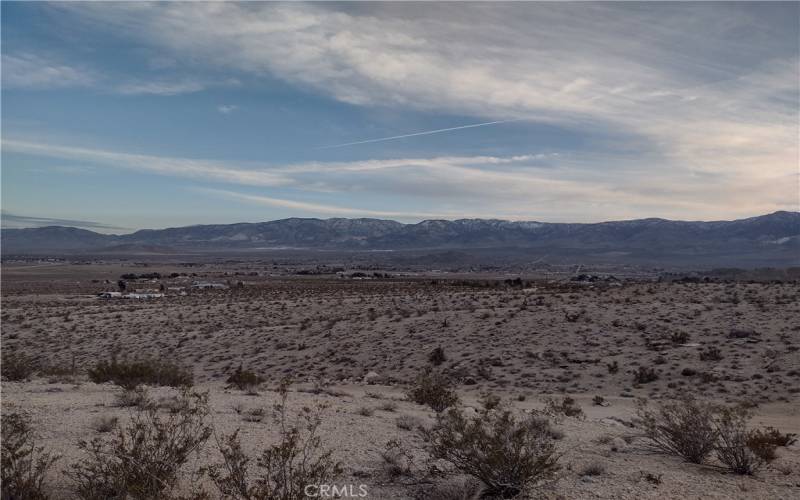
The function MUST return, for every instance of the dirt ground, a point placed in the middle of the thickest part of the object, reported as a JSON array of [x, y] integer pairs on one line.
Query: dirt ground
[[726, 342]]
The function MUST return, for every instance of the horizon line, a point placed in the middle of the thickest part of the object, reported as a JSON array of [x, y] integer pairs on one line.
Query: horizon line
[[2, 225]]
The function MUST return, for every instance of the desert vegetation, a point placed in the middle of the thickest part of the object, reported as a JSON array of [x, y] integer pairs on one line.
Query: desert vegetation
[[24, 464], [433, 389], [283, 470], [131, 374], [416, 388], [695, 430], [143, 459], [505, 452]]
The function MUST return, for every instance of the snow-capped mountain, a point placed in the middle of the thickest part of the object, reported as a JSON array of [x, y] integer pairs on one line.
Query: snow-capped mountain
[[779, 229]]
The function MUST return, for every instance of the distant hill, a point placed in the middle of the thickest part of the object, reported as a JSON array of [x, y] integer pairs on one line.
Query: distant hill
[[769, 237]]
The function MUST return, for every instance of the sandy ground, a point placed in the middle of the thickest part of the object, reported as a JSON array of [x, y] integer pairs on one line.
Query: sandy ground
[[62, 414], [544, 338]]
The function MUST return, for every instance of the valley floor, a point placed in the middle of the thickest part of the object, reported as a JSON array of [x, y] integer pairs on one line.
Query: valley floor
[[733, 343], [65, 413]]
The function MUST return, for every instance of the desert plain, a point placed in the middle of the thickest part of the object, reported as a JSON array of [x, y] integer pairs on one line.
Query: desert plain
[[355, 340]]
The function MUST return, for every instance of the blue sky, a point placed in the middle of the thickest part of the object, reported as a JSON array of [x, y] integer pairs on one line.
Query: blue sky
[[119, 116]]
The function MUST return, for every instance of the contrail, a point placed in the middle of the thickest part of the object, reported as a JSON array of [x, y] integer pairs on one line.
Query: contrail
[[428, 132]]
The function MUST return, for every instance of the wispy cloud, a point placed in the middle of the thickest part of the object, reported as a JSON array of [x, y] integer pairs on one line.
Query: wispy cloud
[[13, 221], [315, 208], [26, 70], [160, 88], [691, 89], [703, 95], [180, 167], [227, 109], [166, 87], [543, 186]]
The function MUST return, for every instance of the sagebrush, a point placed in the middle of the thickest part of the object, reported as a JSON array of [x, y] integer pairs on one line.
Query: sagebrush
[[282, 470], [244, 380], [16, 366], [684, 428], [505, 452], [130, 374], [433, 389], [741, 449], [24, 465], [142, 460]]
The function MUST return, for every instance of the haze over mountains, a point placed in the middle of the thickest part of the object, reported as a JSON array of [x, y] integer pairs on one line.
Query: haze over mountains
[[769, 238]]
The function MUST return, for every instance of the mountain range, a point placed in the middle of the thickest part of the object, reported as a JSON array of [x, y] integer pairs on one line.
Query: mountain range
[[776, 234]]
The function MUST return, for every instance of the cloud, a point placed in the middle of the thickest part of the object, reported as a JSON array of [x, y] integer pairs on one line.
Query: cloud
[[227, 109], [180, 167], [14, 221], [316, 208], [171, 87], [683, 110], [707, 87], [160, 88], [26, 70], [543, 186], [311, 176]]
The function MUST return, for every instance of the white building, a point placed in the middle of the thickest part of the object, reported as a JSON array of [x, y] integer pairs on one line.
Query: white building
[[204, 285]]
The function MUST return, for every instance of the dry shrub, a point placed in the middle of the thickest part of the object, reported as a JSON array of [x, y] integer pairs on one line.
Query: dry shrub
[[130, 374], [693, 430], [24, 465], [173, 404], [433, 389], [712, 353], [244, 380], [56, 372], [103, 423], [408, 422], [285, 468], [684, 428], [490, 401], [775, 437], [645, 375], [593, 469], [133, 397], [742, 450], [254, 415], [567, 407], [679, 337], [506, 453], [650, 477], [365, 411], [142, 460], [396, 460], [16, 366], [437, 356]]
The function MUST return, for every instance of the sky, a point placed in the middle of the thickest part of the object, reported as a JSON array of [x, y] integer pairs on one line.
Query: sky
[[122, 116]]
